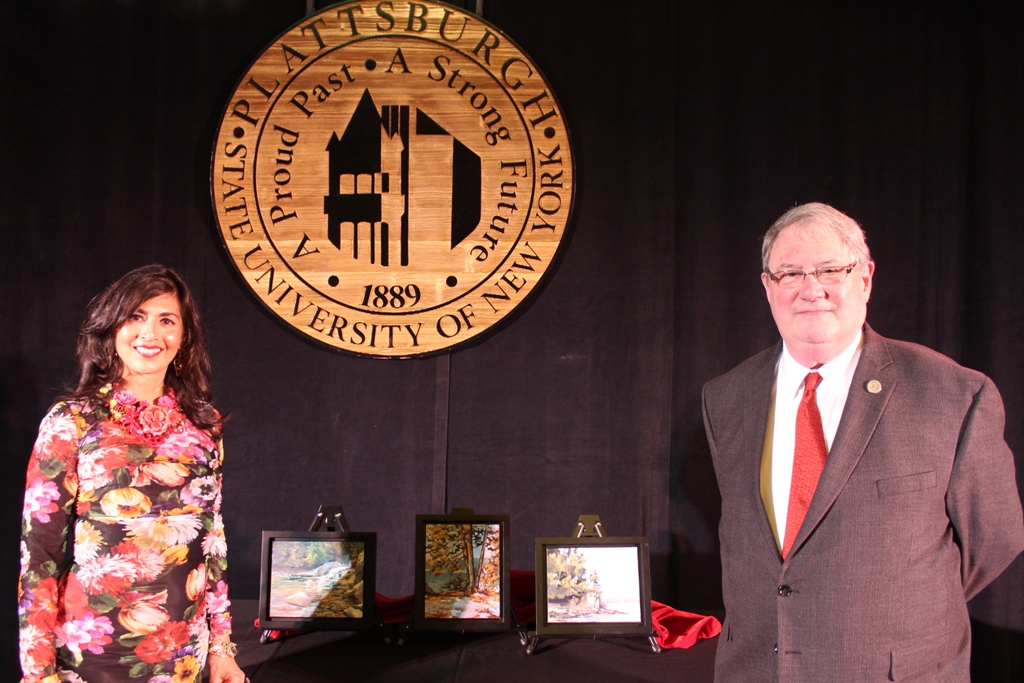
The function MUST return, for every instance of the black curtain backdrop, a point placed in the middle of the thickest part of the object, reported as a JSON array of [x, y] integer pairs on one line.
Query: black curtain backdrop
[[696, 124]]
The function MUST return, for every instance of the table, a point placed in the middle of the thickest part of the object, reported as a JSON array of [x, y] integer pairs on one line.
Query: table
[[460, 658]]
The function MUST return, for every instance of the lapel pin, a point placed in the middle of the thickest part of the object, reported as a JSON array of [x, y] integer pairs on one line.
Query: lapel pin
[[874, 386]]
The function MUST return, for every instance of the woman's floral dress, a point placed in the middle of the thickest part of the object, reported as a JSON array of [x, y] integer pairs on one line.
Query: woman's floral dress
[[138, 591]]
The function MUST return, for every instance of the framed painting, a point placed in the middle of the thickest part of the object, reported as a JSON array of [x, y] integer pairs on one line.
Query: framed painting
[[593, 586], [318, 580], [462, 573]]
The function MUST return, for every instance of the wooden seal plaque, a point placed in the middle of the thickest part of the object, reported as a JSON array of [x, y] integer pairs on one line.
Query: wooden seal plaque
[[392, 179]]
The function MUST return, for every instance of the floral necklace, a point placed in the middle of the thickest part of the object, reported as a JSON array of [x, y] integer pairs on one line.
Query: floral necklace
[[149, 422]]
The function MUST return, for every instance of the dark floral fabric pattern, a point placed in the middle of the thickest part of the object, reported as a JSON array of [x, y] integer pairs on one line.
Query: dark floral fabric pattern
[[123, 555]]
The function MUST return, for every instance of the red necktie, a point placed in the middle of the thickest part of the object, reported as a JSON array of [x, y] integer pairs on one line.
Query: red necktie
[[808, 460]]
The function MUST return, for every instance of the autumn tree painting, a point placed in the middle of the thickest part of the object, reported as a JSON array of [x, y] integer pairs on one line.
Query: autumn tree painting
[[462, 571]]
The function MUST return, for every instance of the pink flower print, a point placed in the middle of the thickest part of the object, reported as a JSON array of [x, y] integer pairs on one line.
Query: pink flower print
[[154, 420], [93, 471], [217, 602], [165, 401], [88, 633], [39, 499], [182, 447], [107, 574], [124, 398], [35, 653], [148, 562], [206, 442], [201, 437], [220, 623], [214, 544], [56, 427]]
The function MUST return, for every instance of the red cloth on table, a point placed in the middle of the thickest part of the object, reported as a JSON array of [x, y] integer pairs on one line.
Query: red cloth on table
[[394, 610], [681, 629]]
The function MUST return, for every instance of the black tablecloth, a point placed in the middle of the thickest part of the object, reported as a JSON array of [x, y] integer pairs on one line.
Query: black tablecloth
[[456, 658]]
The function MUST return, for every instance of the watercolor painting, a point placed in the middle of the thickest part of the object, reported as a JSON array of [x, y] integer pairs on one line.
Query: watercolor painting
[[593, 584]]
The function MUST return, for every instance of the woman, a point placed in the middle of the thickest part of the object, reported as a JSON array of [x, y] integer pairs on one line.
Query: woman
[[127, 470]]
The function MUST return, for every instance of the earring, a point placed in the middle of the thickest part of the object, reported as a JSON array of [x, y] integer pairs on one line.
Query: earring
[[177, 366]]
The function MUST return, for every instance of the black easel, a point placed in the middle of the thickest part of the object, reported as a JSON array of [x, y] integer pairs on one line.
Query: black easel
[[331, 515], [586, 526]]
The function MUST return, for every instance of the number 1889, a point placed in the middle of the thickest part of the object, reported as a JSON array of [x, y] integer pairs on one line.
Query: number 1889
[[395, 296]]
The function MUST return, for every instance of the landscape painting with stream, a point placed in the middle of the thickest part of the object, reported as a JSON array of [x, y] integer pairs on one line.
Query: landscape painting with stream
[[317, 579]]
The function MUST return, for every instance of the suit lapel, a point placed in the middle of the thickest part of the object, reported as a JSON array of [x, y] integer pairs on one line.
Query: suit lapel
[[861, 414]]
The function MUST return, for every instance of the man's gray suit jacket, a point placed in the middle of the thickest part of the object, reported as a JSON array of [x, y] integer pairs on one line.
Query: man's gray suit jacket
[[916, 511]]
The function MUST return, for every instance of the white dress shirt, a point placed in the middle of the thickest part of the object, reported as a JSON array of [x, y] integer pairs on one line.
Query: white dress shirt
[[836, 376]]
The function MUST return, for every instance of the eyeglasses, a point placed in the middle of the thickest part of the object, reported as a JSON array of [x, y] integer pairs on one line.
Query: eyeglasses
[[829, 275]]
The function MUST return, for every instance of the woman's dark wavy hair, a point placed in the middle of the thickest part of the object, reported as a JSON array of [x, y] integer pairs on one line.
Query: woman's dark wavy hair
[[99, 364]]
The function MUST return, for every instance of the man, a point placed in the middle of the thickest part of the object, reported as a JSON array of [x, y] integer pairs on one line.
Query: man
[[867, 491]]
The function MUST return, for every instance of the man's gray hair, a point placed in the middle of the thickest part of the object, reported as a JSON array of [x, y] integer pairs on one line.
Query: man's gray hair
[[824, 217]]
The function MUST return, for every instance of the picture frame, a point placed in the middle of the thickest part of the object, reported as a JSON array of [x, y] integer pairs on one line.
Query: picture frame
[[318, 580], [462, 573], [593, 586]]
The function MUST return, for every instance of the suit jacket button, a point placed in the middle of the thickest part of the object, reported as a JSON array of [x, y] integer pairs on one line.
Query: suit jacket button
[[776, 648], [785, 591]]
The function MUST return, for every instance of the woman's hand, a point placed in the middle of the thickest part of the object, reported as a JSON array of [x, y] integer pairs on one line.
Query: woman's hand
[[225, 670]]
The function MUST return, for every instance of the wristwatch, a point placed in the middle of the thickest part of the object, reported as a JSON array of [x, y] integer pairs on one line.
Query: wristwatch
[[227, 649]]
